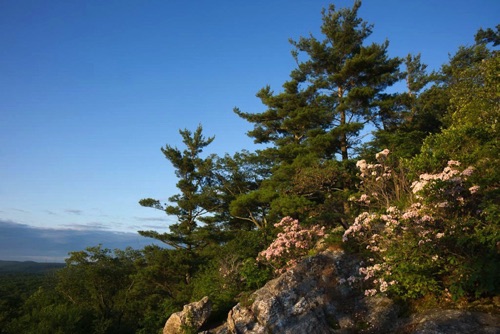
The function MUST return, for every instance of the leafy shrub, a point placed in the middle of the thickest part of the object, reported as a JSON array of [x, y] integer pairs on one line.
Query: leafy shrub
[[254, 274], [291, 244], [442, 243]]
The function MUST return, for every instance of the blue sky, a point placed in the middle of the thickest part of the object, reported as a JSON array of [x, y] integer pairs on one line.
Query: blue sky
[[90, 90]]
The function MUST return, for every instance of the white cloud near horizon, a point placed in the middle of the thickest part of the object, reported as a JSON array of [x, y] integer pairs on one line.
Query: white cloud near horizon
[[22, 242]]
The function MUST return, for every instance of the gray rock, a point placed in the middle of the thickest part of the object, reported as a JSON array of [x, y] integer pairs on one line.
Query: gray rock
[[242, 320], [315, 297], [453, 321], [310, 299], [193, 316]]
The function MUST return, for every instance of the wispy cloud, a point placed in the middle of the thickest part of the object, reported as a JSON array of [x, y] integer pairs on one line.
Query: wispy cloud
[[74, 211], [153, 219], [84, 227], [20, 210]]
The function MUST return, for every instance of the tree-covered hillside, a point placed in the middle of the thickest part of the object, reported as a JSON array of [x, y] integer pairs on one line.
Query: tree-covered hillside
[[30, 267]]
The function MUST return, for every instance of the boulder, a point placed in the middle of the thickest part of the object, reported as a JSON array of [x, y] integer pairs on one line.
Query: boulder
[[315, 298], [192, 317], [322, 294], [451, 322]]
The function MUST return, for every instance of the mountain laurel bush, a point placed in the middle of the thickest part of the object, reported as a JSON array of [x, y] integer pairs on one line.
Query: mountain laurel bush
[[440, 244], [293, 243]]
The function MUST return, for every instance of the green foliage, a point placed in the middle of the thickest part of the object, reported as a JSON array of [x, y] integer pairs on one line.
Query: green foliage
[[229, 273], [27, 267], [336, 89], [445, 244], [237, 178], [160, 287], [472, 136], [439, 245], [17, 287], [348, 75], [47, 312], [219, 280], [488, 36], [196, 197], [331, 95], [100, 281], [254, 274], [409, 117]]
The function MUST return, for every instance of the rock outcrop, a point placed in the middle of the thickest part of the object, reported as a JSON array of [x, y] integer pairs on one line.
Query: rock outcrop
[[453, 321], [315, 297], [319, 296], [192, 317]]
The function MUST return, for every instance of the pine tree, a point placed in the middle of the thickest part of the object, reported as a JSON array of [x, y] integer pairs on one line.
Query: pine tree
[[238, 180], [348, 76], [337, 88], [194, 228], [409, 117]]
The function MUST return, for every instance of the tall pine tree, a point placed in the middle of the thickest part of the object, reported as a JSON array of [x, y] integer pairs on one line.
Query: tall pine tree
[[196, 198], [337, 88], [349, 75]]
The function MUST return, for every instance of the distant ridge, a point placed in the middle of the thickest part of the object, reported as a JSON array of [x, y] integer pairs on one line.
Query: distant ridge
[[28, 267]]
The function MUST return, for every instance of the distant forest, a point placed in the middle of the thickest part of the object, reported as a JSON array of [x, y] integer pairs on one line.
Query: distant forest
[[418, 200], [29, 267]]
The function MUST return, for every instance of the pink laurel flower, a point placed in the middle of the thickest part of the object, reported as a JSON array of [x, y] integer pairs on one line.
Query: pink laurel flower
[[468, 171], [370, 292], [381, 156], [474, 189]]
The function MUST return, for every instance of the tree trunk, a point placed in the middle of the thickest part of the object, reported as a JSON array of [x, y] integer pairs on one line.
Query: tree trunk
[[343, 137], [343, 121]]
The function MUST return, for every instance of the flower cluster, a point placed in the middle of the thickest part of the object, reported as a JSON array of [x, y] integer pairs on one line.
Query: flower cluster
[[292, 243], [450, 173], [405, 245], [361, 223], [381, 182], [381, 233], [379, 170]]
